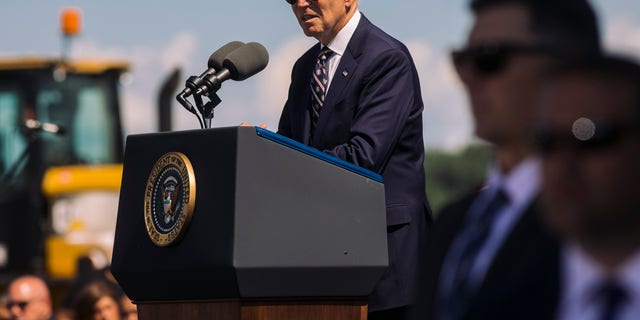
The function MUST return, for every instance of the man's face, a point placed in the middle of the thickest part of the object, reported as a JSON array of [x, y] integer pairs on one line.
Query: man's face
[[590, 189], [322, 19], [28, 302], [502, 99]]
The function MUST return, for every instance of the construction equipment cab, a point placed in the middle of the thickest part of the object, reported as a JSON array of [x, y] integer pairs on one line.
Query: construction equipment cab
[[61, 148]]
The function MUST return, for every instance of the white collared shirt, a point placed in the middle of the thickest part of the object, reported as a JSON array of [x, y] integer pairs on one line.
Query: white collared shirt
[[339, 45], [581, 277]]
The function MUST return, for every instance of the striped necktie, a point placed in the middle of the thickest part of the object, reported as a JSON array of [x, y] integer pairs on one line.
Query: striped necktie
[[319, 83]]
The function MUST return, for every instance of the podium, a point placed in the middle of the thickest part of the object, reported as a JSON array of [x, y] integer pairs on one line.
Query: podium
[[242, 223]]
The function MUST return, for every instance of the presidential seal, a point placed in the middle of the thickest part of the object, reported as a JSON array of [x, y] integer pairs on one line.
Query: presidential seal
[[169, 199]]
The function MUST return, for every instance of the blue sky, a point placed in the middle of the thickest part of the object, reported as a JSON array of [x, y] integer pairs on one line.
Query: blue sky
[[159, 35]]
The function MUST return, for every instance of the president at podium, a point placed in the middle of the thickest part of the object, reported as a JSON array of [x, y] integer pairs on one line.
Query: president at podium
[[356, 95]]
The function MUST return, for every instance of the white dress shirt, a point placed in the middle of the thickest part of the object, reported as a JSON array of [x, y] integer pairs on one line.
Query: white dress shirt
[[581, 277]]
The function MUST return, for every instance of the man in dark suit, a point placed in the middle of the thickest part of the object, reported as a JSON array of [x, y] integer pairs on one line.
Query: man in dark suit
[[361, 102], [489, 256], [589, 137]]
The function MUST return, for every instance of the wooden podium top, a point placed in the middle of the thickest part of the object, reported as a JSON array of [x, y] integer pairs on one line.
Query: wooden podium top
[[256, 310]]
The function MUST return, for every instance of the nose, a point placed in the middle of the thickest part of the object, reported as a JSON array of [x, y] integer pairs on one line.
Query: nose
[[301, 3], [15, 310], [561, 163]]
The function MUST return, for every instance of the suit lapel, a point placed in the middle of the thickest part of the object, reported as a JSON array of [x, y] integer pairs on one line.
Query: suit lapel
[[526, 230], [340, 80], [336, 94], [522, 264]]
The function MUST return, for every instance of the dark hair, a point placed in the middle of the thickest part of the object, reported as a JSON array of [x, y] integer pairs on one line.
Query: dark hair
[[89, 295], [614, 69], [567, 26]]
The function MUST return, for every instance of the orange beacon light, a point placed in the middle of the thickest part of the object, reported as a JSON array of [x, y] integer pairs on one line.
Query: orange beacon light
[[70, 21]]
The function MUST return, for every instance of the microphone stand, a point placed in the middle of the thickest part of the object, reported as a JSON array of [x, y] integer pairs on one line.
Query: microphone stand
[[187, 105], [200, 106], [205, 109], [207, 112]]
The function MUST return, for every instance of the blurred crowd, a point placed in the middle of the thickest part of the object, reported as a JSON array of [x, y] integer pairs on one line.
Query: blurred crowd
[[93, 295]]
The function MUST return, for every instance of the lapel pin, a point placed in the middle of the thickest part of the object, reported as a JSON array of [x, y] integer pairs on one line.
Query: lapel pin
[[345, 73]]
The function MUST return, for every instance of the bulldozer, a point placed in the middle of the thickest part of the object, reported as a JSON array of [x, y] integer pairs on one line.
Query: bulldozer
[[61, 152]]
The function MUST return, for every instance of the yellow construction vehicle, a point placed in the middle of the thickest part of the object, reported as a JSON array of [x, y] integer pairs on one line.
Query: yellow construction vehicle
[[61, 149]]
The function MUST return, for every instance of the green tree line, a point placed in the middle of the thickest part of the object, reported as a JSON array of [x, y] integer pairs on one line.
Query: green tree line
[[450, 175]]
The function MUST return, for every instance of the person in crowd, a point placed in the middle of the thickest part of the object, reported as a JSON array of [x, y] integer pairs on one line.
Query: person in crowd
[[129, 309], [86, 273], [29, 299], [5, 314], [97, 301], [588, 133], [488, 250], [356, 95]]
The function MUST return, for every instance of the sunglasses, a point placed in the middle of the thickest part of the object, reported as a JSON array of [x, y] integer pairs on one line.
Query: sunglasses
[[490, 58], [291, 1], [20, 304], [586, 135]]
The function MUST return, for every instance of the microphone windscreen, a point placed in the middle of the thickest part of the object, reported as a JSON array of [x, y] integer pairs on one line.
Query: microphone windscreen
[[246, 61], [217, 58]]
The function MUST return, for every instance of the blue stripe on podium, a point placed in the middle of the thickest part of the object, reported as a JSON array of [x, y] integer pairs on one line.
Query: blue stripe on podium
[[317, 154]]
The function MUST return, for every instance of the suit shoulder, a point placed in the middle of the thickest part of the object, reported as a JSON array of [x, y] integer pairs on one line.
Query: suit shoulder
[[372, 40]]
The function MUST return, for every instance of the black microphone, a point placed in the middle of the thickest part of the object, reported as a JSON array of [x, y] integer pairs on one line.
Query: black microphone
[[217, 58], [215, 63], [239, 65], [35, 125]]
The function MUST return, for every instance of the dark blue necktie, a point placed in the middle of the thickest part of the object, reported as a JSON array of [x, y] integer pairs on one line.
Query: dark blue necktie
[[472, 241], [319, 82], [613, 296]]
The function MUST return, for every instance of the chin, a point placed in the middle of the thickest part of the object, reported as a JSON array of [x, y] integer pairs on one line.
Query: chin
[[564, 220], [308, 33]]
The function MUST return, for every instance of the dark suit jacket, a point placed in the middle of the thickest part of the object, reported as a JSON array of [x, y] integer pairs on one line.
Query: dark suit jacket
[[372, 117], [522, 280]]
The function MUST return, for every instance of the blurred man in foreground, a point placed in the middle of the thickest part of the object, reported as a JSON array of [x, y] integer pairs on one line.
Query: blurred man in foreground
[[589, 136], [488, 250]]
